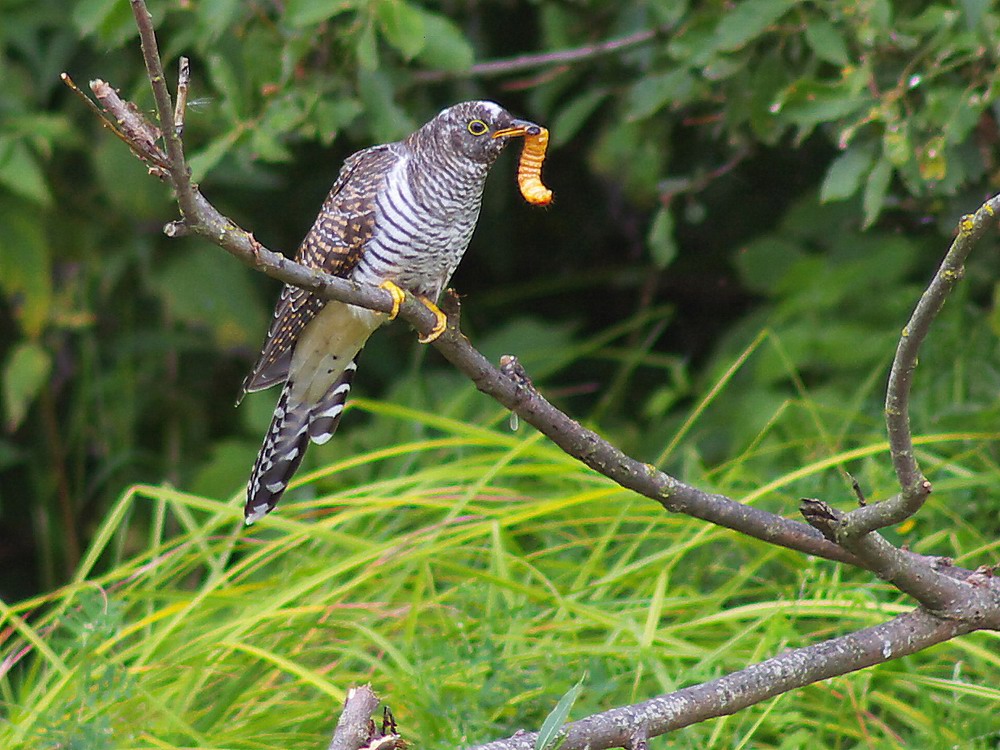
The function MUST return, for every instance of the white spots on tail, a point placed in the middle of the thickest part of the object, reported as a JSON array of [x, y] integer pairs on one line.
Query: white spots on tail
[[255, 513]]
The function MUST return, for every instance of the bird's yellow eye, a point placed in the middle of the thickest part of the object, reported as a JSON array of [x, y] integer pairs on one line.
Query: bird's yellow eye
[[478, 127]]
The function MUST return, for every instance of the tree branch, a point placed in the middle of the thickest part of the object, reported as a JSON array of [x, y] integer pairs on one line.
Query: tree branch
[[915, 487], [355, 728], [912, 575], [521, 63], [178, 173], [901, 636], [856, 531]]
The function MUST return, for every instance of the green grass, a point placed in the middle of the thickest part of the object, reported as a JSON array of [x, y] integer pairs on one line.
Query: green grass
[[473, 575]]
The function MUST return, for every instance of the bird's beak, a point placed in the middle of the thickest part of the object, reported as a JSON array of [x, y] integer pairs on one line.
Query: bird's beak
[[519, 127]]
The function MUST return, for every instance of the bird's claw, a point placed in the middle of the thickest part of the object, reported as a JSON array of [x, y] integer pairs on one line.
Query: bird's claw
[[397, 294], [440, 323]]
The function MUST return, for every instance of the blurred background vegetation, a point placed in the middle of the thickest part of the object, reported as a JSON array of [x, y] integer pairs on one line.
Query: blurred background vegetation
[[749, 198]]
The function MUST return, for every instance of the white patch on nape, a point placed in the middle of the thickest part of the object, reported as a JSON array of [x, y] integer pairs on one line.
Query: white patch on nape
[[493, 108]]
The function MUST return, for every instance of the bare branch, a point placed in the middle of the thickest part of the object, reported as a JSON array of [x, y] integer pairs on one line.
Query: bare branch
[[183, 84], [912, 575], [354, 727], [901, 636], [178, 172], [126, 121], [516, 393], [132, 126], [521, 63], [914, 486]]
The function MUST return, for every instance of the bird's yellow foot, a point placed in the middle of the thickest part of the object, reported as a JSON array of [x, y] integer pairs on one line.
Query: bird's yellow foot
[[397, 294], [440, 325]]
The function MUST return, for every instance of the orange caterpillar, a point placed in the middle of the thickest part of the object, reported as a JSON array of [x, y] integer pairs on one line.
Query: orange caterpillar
[[529, 168]]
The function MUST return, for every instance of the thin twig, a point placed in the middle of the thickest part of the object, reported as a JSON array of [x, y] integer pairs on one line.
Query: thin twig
[[132, 126], [521, 63], [126, 121], [179, 175], [183, 84]]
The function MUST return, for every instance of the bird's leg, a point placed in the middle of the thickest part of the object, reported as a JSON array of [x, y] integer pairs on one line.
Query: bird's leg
[[440, 325], [397, 294]]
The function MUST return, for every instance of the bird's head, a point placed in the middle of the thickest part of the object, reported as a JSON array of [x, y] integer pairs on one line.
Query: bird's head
[[477, 130]]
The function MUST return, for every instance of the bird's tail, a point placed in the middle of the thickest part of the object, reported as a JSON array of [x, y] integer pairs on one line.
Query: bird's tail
[[292, 427]]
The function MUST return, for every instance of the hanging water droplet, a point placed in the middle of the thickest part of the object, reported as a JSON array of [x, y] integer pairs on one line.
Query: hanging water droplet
[[514, 423]]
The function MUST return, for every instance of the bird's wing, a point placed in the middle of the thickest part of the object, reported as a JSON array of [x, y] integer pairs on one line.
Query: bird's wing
[[334, 245]]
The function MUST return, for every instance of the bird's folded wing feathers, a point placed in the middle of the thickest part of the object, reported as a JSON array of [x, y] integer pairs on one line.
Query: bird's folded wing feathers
[[334, 245]]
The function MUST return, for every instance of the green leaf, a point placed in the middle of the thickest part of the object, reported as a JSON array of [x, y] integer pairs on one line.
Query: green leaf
[[89, 15], [268, 146], [654, 92], [932, 160], [228, 83], [24, 374], [827, 42], [554, 722], [311, 12], [20, 173], [202, 162], [25, 266], [111, 20], [662, 245], [445, 46], [281, 116], [810, 103], [630, 154], [366, 49], [749, 20], [875, 190], [845, 175], [896, 143], [571, 118], [403, 26], [387, 121], [218, 15], [204, 289], [765, 262], [330, 115]]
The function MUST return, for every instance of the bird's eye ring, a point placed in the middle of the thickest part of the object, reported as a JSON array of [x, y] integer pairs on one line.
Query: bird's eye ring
[[478, 127]]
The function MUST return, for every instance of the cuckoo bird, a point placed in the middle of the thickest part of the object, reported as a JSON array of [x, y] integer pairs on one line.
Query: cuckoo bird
[[400, 215]]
